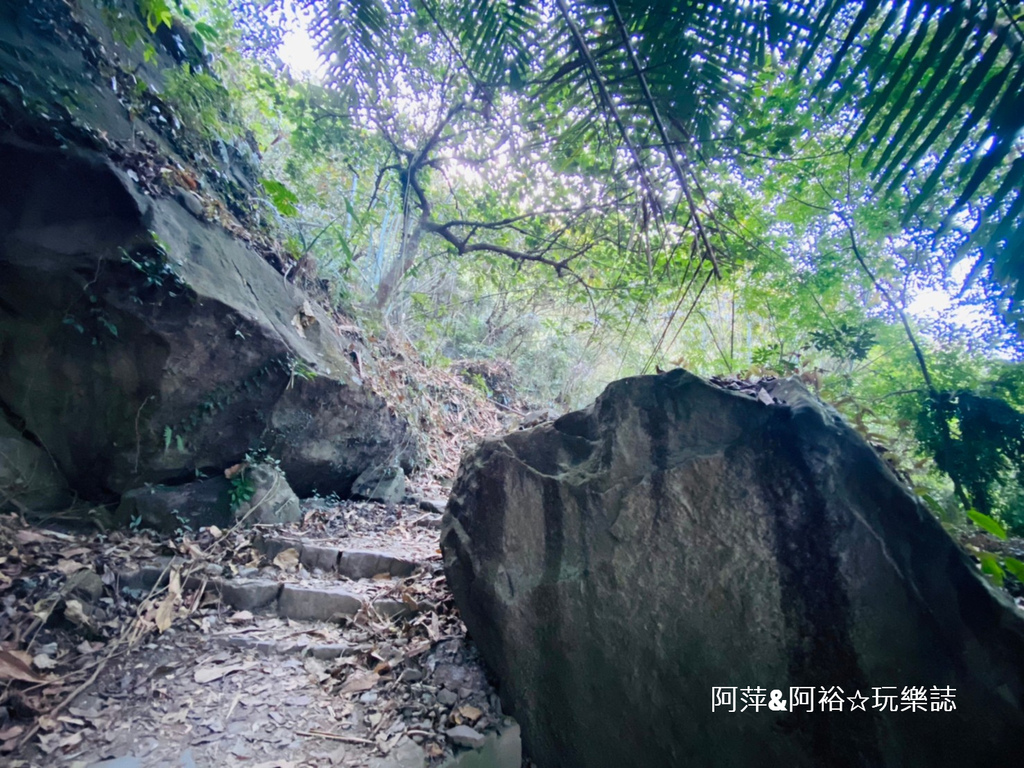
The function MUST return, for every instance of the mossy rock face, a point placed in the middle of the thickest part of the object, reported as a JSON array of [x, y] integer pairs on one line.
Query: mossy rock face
[[140, 342], [617, 565]]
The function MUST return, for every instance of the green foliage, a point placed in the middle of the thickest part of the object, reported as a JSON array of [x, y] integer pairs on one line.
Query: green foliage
[[477, 381], [202, 102], [241, 491], [283, 199], [301, 369], [977, 440], [156, 13], [986, 522], [844, 341]]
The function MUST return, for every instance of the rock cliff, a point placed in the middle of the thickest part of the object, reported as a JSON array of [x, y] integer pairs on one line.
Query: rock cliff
[[147, 332]]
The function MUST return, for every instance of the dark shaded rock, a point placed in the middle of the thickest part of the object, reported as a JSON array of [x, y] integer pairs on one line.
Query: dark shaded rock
[[28, 477], [433, 505], [164, 362], [166, 508], [616, 565], [386, 484], [273, 501], [316, 603]]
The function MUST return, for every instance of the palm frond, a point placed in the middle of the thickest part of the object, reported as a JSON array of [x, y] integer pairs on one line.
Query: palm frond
[[936, 90]]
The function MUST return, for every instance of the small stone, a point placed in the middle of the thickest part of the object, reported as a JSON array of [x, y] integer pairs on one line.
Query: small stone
[[87, 584], [386, 484], [410, 676], [191, 202], [327, 650], [433, 505], [428, 521], [447, 698], [464, 736]]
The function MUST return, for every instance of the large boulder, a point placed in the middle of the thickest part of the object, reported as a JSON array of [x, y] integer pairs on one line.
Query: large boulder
[[619, 565], [143, 334]]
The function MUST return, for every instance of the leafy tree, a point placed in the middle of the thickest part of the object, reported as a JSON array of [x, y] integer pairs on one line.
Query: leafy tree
[[935, 90]]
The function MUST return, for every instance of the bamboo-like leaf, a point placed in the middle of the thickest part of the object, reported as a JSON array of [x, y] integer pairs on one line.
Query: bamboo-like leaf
[[967, 89]]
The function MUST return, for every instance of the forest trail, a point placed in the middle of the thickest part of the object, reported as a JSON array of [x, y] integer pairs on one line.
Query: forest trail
[[330, 642]]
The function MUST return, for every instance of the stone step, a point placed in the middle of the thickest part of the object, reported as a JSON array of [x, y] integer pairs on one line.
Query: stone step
[[331, 558], [311, 602]]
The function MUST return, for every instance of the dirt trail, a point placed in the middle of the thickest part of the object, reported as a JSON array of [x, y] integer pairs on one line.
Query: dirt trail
[[333, 642]]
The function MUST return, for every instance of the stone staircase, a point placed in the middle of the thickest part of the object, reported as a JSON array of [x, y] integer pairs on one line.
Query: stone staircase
[[328, 598]]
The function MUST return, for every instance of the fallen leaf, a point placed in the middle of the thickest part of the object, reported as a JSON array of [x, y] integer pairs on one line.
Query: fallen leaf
[[30, 537], [75, 613], [240, 618], [434, 750], [11, 733], [209, 674], [469, 713], [67, 567], [165, 613], [765, 398], [71, 740], [71, 552], [23, 656], [230, 472], [288, 559], [44, 662], [215, 531], [360, 681]]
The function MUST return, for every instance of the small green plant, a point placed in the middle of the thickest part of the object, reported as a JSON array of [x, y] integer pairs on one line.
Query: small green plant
[[242, 490], [301, 369], [169, 436], [993, 565], [477, 381]]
